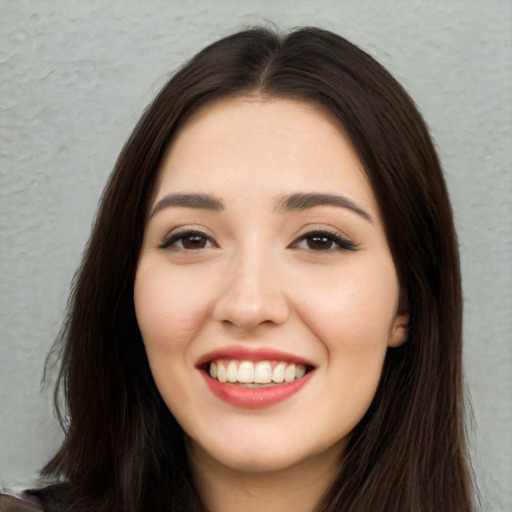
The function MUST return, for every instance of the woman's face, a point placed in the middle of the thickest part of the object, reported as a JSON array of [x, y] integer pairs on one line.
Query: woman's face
[[265, 292]]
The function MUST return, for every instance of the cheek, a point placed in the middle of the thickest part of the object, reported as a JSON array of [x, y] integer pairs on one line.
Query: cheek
[[354, 313], [169, 312]]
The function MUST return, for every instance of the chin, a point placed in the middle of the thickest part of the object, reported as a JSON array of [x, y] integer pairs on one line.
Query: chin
[[263, 454], [259, 462]]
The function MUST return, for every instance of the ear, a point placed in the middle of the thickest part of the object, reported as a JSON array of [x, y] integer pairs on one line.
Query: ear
[[400, 329]]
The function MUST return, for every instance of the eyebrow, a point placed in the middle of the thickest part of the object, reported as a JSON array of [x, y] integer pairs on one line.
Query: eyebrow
[[289, 203], [300, 201], [200, 201]]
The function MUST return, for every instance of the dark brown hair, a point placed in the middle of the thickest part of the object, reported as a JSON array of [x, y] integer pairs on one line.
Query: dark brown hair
[[123, 449]]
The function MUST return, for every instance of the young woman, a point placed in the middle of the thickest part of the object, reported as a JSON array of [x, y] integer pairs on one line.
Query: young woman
[[268, 313]]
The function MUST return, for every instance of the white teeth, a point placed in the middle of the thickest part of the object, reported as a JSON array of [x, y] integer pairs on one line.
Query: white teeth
[[262, 372], [289, 373], [232, 372], [278, 373], [246, 372], [221, 373]]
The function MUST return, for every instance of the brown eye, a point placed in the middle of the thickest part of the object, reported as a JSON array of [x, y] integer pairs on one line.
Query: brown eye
[[323, 241], [319, 243], [187, 241], [192, 242]]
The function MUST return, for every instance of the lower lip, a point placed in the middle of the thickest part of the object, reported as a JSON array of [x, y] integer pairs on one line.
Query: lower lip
[[255, 398]]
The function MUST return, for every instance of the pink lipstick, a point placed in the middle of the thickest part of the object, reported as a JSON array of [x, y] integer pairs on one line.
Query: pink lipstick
[[254, 378]]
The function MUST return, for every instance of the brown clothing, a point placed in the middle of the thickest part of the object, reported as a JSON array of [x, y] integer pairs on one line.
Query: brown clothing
[[10, 502]]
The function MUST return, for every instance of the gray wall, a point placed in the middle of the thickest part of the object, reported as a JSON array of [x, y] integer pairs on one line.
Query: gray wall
[[76, 76]]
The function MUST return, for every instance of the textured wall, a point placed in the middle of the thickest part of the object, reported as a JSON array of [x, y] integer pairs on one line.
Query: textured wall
[[76, 76]]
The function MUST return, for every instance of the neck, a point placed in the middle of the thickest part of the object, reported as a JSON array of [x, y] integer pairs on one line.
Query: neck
[[299, 487]]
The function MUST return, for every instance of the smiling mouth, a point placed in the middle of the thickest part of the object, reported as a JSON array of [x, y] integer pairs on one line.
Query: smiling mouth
[[251, 374]]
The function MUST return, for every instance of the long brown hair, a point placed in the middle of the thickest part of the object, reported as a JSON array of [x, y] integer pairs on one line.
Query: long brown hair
[[123, 449]]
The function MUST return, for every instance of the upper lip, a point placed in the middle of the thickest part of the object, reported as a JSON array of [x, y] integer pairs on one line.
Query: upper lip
[[241, 353]]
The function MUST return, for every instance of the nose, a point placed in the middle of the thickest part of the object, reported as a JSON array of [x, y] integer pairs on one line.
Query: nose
[[253, 296]]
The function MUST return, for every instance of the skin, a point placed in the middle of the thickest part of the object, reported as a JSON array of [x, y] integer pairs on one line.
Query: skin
[[259, 281]]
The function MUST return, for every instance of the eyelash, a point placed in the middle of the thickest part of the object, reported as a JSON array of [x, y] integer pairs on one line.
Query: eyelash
[[170, 241], [342, 243]]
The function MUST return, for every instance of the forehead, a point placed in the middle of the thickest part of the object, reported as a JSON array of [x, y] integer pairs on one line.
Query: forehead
[[243, 144]]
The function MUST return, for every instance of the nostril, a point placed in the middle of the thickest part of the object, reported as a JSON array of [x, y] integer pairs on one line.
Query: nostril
[[249, 315]]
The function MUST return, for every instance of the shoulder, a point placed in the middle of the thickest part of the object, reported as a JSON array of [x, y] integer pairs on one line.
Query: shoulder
[[14, 502]]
